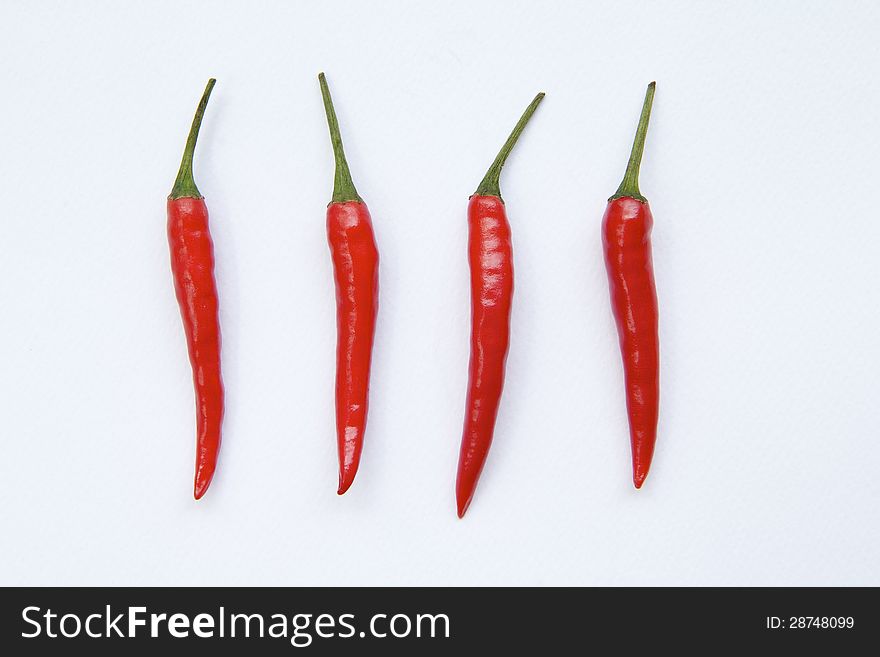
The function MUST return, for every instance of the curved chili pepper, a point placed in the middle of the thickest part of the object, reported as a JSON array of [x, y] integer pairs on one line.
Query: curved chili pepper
[[356, 272], [626, 237], [192, 264], [491, 263]]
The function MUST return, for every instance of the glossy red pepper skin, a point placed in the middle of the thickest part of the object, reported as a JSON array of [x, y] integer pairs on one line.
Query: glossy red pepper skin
[[626, 238], [490, 256], [356, 272], [192, 265]]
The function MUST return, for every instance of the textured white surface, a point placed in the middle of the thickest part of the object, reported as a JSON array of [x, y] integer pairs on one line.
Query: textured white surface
[[762, 169]]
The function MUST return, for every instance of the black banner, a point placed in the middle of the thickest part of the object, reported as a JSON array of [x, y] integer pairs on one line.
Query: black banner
[[431, 621]]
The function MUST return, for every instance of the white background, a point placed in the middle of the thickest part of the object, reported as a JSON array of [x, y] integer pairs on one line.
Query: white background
[[762, 170]]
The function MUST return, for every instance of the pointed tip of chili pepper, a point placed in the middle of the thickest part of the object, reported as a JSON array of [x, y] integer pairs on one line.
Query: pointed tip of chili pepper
[[463, 502], [204, 476], [346, 479], [200, 489], [639, 476]]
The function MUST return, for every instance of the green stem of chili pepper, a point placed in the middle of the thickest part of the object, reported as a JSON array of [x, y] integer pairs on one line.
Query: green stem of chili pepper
[[629, 187], [343, 187], [185, 186], [490, 185]]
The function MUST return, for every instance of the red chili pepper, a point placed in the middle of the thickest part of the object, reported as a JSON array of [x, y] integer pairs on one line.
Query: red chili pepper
[[626, 237], [491, 263], [356, 271], [192, 264]]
